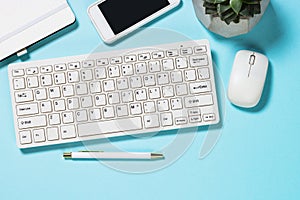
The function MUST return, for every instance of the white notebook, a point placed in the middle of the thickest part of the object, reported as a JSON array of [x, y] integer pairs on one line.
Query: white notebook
[[24, 22]]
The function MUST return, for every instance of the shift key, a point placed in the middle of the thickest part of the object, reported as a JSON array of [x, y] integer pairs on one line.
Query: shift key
[[32, 122]]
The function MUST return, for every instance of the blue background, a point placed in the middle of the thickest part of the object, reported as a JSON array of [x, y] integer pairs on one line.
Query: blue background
[[257, 156]]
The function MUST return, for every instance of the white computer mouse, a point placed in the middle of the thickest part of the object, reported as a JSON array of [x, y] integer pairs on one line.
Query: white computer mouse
[[247, 78]]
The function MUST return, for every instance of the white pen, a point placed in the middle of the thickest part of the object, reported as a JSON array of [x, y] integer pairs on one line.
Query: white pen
[[113, 155]]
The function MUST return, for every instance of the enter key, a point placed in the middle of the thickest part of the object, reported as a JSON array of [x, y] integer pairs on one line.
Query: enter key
[[200, 87]]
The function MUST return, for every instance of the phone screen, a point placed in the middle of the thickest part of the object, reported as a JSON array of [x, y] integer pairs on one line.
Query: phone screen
[[122, 14]]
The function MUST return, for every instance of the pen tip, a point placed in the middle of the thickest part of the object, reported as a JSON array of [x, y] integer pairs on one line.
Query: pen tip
[[157, 156], [67, 155]]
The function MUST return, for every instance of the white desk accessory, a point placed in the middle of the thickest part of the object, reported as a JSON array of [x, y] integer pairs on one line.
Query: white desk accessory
[[25, 22], [149, 89], [113, 155], [247, 78]]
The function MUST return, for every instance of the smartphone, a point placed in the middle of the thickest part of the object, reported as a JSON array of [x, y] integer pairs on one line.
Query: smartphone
[[114, 19]]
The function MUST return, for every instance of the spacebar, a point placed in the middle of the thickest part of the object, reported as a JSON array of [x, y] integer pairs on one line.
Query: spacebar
[[111, 126]]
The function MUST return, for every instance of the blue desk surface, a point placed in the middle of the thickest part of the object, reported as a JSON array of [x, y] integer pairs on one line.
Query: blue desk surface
[[256, 157]]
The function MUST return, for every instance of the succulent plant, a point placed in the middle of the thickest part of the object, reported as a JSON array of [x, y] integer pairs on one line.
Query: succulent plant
[[232, 10]]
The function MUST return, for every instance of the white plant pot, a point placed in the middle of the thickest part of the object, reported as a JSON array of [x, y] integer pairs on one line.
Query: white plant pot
[[216, 25]]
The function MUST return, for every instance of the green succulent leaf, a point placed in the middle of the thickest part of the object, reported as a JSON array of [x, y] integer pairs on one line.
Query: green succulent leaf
[[232, 10], [236, 5]]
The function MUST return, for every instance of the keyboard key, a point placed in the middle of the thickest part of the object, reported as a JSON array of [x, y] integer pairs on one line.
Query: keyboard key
[[86, 101], [86, 75], [59, 79], [100, 73], [200, 49], [194, 112], [166, 119], [168, 64], [135, 82], [176, 77], [73, 103], [100, 99], [108, 112], [158, 54], [141, 68], [88, 63], [195, 119], [111, 126], [190, 75], [54, 92], [181, 63], [109, 85], [95, 87], [163, 78], [95, 114], [122, 110], [197, 61], [19, 83], [40, 94], [25, 137], [135, 108], [74, 65], [27, 109], [172, 53], [116, 60], [24, 96], [54, 119], [181, 89], [46, 69], [149, 80], [176, 104], [163, 105], [203, 73], [68, 132], [168, 91], [32, 122], [68, 90], [209, 117], [18, 72], [122, 84], [200, 87], [60, 67], [180, 120], [154, 66], [102, 62], [151, 121], [130, 58], [39, 135], [127, 70], [46, 107], [81, 115], [46, 80], [141, 94], [144, 56], [52, 134], [67, 117], [32, 71], [154, 93], [186, 51], [113, 98], [81, 88], [198, 100], [149, 107], [113, 71]]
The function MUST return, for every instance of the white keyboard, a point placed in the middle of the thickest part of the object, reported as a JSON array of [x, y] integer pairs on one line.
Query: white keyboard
[[115, 93]]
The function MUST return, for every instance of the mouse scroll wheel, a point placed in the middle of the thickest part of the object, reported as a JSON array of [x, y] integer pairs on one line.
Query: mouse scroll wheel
[[252, 60]]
